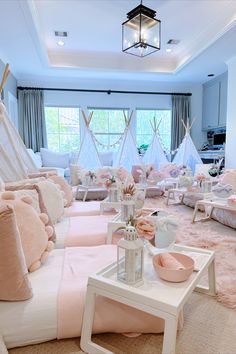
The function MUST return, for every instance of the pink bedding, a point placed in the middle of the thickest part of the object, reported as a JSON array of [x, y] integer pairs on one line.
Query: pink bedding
[[87, 231], [110, 316], [85, 209]]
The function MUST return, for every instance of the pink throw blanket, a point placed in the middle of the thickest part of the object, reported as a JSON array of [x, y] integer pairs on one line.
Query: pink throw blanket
[[85, 209], [87, 231], [110, 316]]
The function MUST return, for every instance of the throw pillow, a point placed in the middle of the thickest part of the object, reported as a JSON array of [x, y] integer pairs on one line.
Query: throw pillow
[[33, 232], [41, 205], [14, 282], [54, 159], [65, 187], [53, 200]]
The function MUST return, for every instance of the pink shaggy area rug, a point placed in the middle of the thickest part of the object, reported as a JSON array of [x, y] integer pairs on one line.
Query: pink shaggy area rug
[[211, 235]]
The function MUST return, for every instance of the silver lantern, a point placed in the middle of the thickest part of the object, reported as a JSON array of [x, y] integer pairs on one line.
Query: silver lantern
[[130, 258]]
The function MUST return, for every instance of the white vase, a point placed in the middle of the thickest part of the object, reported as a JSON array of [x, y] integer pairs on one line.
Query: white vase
[[166, 228]]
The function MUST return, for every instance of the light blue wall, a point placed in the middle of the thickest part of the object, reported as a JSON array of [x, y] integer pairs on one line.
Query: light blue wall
[[132, 101], [11, 84]]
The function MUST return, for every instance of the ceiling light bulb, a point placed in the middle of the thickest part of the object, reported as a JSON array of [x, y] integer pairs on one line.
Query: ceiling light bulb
[[60, 43], [168, 50]]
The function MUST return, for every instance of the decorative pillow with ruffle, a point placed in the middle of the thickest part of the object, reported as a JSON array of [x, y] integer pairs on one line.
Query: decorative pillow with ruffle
[[53, 199], [65, 187], [33, 232]]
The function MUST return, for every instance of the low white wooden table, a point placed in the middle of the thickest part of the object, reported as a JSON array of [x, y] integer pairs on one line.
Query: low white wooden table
[[106, 204], [86, 189], [209, 205], [176, 195], [156, 297]]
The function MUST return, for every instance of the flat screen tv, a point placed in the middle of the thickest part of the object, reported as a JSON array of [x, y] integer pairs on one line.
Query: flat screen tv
[[218, 140]]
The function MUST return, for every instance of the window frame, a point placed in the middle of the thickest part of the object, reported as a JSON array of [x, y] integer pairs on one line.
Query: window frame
[[109, 133], [80, 128], [151, 109]]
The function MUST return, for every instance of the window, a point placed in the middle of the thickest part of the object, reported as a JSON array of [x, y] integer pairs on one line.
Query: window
[[63, 128], [144, 131], [108, 126]]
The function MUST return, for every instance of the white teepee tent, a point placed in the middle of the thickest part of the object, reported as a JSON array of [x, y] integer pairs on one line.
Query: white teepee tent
[[88, 156], [127, 155], [155, 154], [15, 161], [187, 153]]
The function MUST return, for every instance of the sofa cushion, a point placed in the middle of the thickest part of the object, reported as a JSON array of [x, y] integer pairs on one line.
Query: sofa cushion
[[14, 283], [54, 159]]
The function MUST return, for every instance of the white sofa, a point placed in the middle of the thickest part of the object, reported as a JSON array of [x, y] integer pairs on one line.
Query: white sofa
[[48, 160]]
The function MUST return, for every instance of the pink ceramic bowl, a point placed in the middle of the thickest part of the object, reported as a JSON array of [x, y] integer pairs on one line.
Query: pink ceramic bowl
[[172, 275]]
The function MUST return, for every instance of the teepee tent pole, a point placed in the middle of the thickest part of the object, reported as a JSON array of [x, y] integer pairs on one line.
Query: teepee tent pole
[[89, 134], [4, 77]]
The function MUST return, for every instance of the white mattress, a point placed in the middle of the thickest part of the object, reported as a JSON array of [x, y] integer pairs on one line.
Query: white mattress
[[61, 230], [34, 320]]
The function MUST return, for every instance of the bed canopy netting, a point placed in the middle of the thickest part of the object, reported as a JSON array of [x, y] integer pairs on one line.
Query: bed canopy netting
[[155, 154], [187, 153], [127, 155], [15, 161], [88, 156]]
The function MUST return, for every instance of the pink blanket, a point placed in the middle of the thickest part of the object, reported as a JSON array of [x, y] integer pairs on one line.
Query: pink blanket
[[110, 316], [87, 231], [85, 209]]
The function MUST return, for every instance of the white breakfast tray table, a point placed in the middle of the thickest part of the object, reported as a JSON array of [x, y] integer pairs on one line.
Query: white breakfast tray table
[[85, 189], [209, 205], [174, 193], [106, 204], [156, 297]]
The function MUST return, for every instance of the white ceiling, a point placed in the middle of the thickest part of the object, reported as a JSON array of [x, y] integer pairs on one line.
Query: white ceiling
[[206, 30]]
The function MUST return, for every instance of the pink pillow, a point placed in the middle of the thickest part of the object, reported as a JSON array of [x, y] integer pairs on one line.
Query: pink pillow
[[14, 282], [65, 187], [136, 172], [229, 177], [42, 174], [166, 169], [42, 206], [33, 233]]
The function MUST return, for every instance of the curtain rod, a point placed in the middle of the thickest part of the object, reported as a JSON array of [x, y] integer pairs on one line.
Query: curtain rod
[[105, 91]]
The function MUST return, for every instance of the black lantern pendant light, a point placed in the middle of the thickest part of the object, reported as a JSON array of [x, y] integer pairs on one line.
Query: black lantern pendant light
[[141, 33]]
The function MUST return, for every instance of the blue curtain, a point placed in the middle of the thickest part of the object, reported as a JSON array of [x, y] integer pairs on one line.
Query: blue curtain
[[180, 111], [32, 126]]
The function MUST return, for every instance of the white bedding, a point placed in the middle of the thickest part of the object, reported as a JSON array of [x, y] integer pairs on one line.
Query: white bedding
[[34, 320], [61, 230]]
